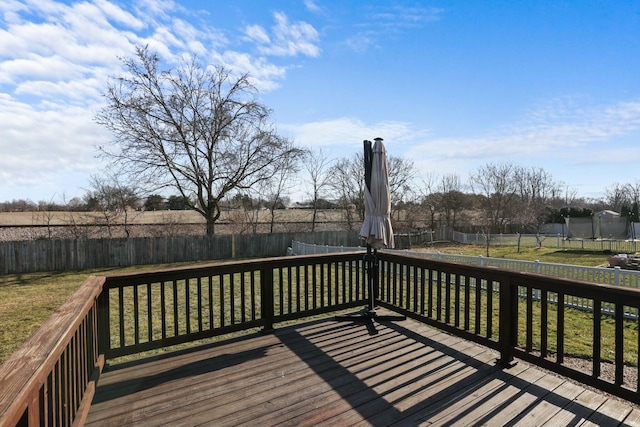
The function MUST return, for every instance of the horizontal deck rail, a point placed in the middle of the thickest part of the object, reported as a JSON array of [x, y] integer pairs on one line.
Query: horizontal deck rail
[[50, 379]]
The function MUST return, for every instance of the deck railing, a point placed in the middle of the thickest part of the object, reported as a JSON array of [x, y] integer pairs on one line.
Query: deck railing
[[50, 380], [152, 310], [486, 305]]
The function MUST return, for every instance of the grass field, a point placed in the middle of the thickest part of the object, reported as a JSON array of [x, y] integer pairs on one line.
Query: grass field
[[26, 300]]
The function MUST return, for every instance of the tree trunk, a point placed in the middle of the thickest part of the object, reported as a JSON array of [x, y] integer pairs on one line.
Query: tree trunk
[[313, 219], [211, 224]]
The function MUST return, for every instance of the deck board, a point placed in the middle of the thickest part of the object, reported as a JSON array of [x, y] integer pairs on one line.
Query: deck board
[[337, 373]]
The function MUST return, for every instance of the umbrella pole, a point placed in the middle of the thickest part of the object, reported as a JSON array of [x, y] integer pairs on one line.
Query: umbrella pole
[[372, 275], [372, 269]]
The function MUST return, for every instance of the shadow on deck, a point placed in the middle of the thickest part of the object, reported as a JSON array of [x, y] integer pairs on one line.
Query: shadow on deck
[[336, 373]]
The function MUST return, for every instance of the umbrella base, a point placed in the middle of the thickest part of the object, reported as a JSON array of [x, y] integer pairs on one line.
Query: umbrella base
[[367, 316]]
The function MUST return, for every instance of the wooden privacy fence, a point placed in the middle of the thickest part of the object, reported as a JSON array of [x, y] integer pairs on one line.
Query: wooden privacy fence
[[57, 255]]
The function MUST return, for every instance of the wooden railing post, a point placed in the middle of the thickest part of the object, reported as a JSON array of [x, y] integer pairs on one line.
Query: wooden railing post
[[103, 327], [266, 298], [508, 321]]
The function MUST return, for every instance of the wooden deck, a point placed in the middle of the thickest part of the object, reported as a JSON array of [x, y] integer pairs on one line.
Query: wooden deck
[[338, 374]]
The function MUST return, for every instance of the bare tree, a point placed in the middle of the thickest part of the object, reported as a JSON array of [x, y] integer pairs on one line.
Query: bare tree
[[198, 130], [244, 212], [317, 167], [429, 198], [114, 201], [633, 190], [537, 191], [617, 195], [401, 174], [496, 185], [452, 198], [277, 187], [45, 215], [347, 183]]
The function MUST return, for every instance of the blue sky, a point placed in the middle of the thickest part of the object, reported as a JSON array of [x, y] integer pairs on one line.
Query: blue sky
[[451, 85]]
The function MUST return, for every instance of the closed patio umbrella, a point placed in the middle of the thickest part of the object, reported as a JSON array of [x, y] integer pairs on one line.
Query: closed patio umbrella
[[376, 229]]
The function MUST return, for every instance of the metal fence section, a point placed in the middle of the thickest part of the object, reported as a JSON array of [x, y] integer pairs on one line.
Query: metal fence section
[[549, 240], [609, 276]]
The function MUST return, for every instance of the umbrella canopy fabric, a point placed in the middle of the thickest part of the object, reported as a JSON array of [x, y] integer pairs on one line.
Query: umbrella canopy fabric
[[376, 228]]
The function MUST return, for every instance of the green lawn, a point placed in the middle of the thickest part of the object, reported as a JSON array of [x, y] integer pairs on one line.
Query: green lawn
[[26, 300]]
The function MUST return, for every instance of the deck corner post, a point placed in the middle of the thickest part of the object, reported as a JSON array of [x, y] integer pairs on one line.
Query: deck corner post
[[266, 298], [508, 319], [104, 328]]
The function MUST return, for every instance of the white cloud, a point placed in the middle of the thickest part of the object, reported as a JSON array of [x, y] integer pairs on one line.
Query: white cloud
[[566, 137], [289, 39], [312, 6], [37, 143], [349, 131], [264, 75], [257, 34], [547, 130], [383, 21], [55, 59]]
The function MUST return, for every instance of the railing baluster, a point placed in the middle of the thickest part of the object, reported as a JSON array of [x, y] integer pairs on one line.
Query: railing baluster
[[395, 284], [314, 285], [439, 296], [298, 295], [415, 288], [489, 308], [187, 305], [338, 268], [597, 337], [619, 351], [447, 293], [306, 287], [253, 295], [163, 309], [121, 315], [560, 329], [326, 284], [136, 316], [289, 289], [544, 324], [422, 290], [529, 331], [199, 296], [430, 292], [280, 292], [149, 314], [243, 297], [456, 299], [176, 331], [222, 300], [211, 302], [478, 311]]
